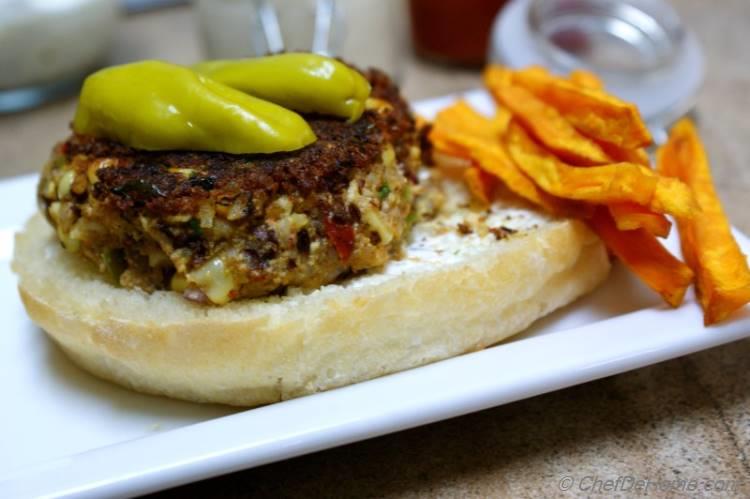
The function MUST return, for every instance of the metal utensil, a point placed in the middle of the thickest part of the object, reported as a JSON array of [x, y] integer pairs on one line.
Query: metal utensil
[[267, 37]]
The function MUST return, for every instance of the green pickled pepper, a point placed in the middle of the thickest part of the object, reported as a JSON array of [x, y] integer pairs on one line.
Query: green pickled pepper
[[308, 83], [155, 105]]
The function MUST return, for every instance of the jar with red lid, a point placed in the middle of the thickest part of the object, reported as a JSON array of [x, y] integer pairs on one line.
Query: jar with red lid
[[453, 31]]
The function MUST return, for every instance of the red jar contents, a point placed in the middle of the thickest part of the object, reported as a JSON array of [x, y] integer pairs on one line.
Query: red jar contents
[[455, 31]]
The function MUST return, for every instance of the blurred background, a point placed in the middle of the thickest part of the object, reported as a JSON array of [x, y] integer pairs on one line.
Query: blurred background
[[431, 48]]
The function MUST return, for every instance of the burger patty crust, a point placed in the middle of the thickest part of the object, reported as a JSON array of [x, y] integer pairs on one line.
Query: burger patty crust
[[218, 227]]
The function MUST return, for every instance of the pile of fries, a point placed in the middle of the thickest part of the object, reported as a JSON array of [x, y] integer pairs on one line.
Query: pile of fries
[[568, 147]]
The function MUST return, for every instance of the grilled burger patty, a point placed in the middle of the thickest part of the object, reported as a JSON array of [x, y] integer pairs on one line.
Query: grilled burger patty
[[218, 227]]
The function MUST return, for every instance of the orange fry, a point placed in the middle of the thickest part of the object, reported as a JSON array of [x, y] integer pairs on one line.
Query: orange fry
[[497, 76], [457, 161], [502, 120], [621, 155], [460, 120], [461, 116], [593, 112], [441, 144], [631, 216], [451, 133], [642, 253], [614, 183], [723, 276], [480, 184], [549, 127], [493, 159], [586, 79]]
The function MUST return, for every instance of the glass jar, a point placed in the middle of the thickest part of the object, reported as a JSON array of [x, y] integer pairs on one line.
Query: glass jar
[[453, 31], [48, 46], [368, 33]]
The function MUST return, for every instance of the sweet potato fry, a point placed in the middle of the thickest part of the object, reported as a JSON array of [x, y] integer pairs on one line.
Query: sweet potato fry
[[672, 196], [442, 144], [613, 183], [461, 116], [631, 216], [586, 79], [502, 120], [723, 276], [461, 131], [549, 127], [458, 161], [593, 112], [497, 76], [492, 158], [642, 253], [458, 120], [480, 184], [621, 155]]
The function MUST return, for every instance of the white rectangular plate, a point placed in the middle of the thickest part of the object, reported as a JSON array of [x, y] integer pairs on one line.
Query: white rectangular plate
[[65, 433]]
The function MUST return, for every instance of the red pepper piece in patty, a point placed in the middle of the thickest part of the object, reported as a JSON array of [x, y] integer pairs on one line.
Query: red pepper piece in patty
[[341, 236]]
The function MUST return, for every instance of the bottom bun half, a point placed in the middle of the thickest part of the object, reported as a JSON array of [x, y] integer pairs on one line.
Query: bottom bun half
[[451, 293]]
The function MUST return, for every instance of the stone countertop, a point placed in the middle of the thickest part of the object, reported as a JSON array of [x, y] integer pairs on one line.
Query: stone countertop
[[686, 419]]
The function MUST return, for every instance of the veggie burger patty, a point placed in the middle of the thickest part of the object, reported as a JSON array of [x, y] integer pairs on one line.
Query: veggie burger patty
[[218, 226]]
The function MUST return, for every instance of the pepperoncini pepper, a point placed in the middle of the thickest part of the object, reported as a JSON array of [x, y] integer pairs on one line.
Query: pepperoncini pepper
[[308, 83], [155, 105]]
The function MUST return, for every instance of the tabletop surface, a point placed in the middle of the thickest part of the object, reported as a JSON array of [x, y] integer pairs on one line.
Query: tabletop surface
[[683, 420]]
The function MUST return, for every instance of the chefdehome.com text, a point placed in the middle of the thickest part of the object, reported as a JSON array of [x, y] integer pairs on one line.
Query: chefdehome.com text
[[595, 484]]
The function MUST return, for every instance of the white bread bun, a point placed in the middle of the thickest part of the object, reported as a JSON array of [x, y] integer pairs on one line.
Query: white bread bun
[[450, 294]]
